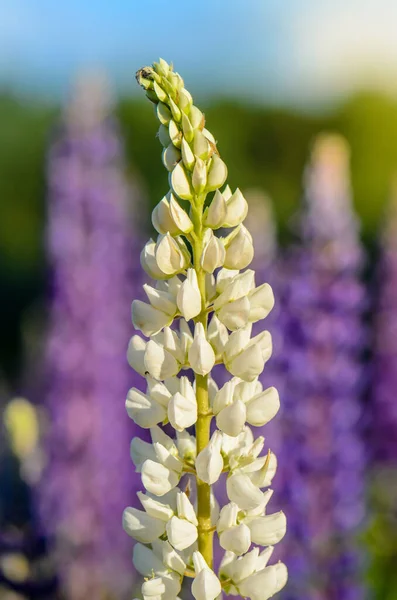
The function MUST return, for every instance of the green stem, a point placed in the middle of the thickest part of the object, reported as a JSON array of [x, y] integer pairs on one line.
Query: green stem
[[205, 532]]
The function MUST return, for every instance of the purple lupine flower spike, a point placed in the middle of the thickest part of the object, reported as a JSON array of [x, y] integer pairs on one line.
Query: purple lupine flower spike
[[92, 250], [323, 331]]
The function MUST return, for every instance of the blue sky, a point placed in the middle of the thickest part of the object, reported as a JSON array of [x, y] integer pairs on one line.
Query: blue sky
[[289, 51]]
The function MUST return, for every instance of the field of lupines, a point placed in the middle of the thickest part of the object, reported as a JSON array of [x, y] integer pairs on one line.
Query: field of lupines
[[333, 364]]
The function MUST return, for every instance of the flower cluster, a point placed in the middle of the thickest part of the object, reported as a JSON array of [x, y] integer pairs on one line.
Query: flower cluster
[[199, 313]]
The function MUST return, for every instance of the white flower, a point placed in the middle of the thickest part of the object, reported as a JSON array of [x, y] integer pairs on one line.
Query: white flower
[[200, 145], [182, 409], [179, 216], [264, 584], [267, 530], [217, 173], [181, 533], [141, 451], [235, 314], [189, 297], [217, 336], [237, 539], [261, 302], [162, 219], [187, 155], [180, 182], [136, 354], [201, 354], [157, 478], [233, 285], [146, 562], [172, 256], [262, 407], [231, 419], [209, 463], [166, 587], [216, 213], [199, 176], [237, 208], [246, 358], [170, 157], [163, 300], [155, 508], [149, 262], [159, 363], [243, 492], [239, 249], [213, 253], [142, 526], [206, 585], [145, 411], [148, 319]]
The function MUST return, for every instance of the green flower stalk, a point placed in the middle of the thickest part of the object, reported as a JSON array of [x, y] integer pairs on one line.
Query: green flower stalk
[[204, 284]]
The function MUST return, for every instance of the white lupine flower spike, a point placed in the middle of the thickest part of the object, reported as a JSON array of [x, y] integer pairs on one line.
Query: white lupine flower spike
[[199, 312]]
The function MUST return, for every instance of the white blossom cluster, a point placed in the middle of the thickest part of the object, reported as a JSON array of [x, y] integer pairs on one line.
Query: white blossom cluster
[[199, 313]]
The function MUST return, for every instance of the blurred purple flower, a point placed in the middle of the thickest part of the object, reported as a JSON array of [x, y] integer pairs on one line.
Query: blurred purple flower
[[323, 454], [94, 258]]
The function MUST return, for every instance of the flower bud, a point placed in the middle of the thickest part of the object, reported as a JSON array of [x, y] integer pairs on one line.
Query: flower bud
[[189, 298], [196, 117], [142, 527], [214, 252], [237, 209], [185, 100], [164, 136], [199, 177], [201, 354], [175, 134], [209, 463], [180, 216], [143, 410], [216, 211], [170, 157], [263, 407], [181, 533], [182, 412], [149, 262], [239, 249], [201, 146], [261, 302], [163, 113], [187, 128], [187, 155], [162, 219], [180, 183], [217, 335], [169, 256], [160, 93], [206, 585], [217, 173], [176, 113]]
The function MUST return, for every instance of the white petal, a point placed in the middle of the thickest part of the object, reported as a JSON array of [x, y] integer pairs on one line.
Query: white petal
[[157, 479], [136, 354], [260, 586], [143, 410], [141, 526], [213, 253], [235, 314], [217, 335], [269, 529], [263, 407], [216, 211], [237, 287], [149, 262], [148, 319], [158, 391], [245, 566], [181, 533], [165, 587], [237, 209], [217, 173], [169, 256], [182, 413], [158, 362], [201, 354], [261, 302], [161, 300], [236, 539], [189, 297], [231, 419], [170, 157], [172, 559], [140, 451], [146, 562], [209, 463], [206, 585], [180, 216], [224, 397], [240, 250], [180, 183], [227, 517], [162, 219], [155, 508], [185, 508], [248, 364], [243, 492], [199, 176]]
